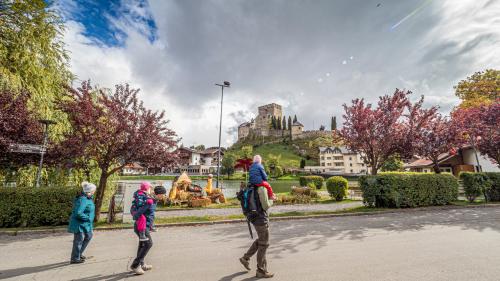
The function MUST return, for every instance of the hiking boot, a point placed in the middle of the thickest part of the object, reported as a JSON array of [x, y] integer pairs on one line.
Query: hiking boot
[[264, 274], [245, 263], [138, 270], [77, 261], [146, 267]]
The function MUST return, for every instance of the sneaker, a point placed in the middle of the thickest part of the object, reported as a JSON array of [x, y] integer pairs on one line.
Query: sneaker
[[138, 270], [82, 257], [76, 261], [245, 263], [153, 229], [146, 267], [264, 274]]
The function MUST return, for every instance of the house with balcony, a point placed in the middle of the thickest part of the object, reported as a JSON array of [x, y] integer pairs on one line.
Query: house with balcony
[[338, 160], [199, 162]]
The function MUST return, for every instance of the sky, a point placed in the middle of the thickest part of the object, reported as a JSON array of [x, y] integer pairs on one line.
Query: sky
[[310, 56]]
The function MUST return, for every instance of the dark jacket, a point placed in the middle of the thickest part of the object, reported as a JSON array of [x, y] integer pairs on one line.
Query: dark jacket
[[148, 210], [257, 174], [151, 217], [82, 216]]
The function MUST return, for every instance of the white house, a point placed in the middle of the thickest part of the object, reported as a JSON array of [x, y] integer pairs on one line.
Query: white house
[[338, 159], [464, 160]]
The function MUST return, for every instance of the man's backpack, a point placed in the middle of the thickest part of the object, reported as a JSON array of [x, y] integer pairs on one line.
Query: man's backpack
[[249, 200]]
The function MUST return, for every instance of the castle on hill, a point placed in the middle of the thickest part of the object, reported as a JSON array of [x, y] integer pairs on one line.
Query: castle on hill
[[270, 122]]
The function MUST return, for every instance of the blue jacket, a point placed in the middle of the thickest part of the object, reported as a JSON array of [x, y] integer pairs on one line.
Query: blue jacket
[[82, 216], [257, 174]]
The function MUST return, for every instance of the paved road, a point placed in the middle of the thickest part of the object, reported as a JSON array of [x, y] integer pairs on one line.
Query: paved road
[[275, 209], [453, 245]]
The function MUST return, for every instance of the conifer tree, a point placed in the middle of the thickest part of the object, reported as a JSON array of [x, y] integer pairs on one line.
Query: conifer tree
[[334, 123]]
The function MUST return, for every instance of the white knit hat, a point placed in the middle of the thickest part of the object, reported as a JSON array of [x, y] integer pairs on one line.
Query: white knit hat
[[88, 187]]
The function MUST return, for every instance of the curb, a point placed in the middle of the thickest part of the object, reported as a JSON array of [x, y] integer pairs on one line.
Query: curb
[[60, 230]]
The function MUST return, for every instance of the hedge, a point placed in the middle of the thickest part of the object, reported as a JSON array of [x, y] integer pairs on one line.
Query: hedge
[[476, 184], [493, 193], [316, 180], [47, 206], [408, 190], [337, 187]]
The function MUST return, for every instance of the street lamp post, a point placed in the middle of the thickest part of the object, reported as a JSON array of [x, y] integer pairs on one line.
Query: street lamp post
[[473, 141], [46, 124], [222, 86]]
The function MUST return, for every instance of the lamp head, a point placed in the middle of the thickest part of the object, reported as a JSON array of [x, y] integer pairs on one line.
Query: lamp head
[[227, 84]]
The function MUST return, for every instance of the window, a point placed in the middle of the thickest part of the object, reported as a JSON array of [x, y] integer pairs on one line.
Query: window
[[322, 157], [328, 164], [322, 164], [350, 164], [350, 158], [352, 171], [339, 164], [338, 158], [328, 158]]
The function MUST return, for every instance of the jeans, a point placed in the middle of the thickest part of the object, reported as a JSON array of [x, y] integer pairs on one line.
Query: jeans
[[260, 246], [80, 242], [142, 250]]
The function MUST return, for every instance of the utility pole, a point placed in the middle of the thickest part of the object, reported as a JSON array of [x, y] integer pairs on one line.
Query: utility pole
[[226, 84], [46, 124]]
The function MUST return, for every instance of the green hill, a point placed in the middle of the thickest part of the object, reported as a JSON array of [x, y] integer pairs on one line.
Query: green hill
[[289, 158], [291, 151]]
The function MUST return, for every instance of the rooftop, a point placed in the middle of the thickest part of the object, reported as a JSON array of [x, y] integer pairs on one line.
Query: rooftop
[[334, 149]]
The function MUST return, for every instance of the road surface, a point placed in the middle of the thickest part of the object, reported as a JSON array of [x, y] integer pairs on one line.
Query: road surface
[[460, 244]]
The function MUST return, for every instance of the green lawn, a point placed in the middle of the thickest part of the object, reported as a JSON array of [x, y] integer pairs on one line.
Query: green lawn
[[288, 157]]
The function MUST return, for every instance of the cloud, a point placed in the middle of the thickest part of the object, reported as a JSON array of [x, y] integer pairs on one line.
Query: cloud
[[278, 51]]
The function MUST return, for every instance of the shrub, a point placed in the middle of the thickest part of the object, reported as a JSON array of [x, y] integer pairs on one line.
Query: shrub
[[475, 184], [304, 191], [293, 199], [337, 187], [493, 193], [20, 207], [487, 184], [400, 190], [316, 180]]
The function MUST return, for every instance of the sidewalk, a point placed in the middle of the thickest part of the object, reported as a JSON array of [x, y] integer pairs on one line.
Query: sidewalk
[[274, 210]]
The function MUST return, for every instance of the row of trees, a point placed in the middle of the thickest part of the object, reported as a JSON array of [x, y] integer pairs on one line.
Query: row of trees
[[98, 130], [278, 123], [399, 127]]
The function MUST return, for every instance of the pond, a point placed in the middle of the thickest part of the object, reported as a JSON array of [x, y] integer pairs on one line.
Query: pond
[[229, 187]]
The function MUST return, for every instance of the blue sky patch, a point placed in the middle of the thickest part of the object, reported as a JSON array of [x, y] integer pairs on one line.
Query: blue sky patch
[[105, 21]]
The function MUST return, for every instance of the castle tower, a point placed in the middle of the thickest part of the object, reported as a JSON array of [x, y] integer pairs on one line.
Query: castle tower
[[263, 120]]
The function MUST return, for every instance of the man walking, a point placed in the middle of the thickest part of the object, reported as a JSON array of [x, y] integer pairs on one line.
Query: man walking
[[261, 225]]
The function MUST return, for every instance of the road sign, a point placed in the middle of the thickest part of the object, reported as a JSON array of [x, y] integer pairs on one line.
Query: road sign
[[27, 148]]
